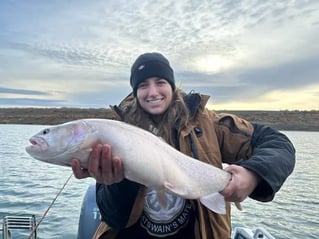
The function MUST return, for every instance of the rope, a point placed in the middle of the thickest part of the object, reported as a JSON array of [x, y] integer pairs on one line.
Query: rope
[[45, 213]]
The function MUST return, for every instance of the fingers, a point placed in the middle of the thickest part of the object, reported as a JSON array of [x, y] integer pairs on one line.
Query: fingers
[[94, 162], [105, 168], [102, 166], [106, 165], [78, 171], [234, 190], [242, 184], [118, 171]]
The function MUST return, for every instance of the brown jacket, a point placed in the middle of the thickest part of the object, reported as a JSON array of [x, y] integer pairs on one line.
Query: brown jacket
[[217, 138]]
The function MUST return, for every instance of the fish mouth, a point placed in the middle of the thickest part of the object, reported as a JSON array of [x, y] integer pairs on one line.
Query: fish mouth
[[37, 144]]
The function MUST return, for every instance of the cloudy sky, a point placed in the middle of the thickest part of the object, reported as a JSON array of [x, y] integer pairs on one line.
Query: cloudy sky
[[244, 54]]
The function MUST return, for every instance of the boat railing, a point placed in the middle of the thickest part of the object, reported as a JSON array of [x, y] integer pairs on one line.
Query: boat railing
[[11, 223]]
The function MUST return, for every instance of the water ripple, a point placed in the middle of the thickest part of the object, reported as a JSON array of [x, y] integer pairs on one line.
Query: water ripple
[[28, 186]]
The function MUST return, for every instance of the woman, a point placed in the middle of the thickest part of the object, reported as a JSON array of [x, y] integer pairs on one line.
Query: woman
[[260, 160]]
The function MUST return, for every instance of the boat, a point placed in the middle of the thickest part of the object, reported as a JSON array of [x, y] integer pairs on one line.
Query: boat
[[90, 219]]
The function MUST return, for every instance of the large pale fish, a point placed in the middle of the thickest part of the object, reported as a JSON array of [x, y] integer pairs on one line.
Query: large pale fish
[[147, 159]]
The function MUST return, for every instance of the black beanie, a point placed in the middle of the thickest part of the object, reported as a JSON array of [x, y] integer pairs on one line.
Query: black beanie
[[151, 65]]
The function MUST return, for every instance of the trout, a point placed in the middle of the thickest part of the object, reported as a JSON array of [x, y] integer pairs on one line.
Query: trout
[[147, 159]]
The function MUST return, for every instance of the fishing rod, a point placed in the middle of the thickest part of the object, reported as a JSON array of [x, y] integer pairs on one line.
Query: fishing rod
[[50, 206]]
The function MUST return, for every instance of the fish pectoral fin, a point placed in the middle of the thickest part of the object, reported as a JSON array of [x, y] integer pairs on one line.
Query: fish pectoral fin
[[87, 145], [86, 149], [180, 191], [214, 202], [89, 142]]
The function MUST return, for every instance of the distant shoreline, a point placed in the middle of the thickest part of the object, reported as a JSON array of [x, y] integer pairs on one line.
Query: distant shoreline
[[281, 120]]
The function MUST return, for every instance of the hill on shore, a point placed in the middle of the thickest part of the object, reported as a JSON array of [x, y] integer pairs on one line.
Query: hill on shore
[[281, 120]]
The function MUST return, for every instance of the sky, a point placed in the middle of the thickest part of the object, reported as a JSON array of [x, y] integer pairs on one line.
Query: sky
[[247, 55]]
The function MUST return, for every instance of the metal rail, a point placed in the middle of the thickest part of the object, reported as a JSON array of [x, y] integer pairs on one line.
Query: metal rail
[[18, 223]]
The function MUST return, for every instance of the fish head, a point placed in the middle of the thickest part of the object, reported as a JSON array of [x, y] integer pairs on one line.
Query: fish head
[[61, 143]]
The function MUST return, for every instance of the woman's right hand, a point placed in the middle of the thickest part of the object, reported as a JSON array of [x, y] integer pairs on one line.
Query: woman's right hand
[[102, 166]]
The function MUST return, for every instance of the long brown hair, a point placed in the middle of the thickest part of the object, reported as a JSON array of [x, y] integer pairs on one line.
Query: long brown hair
[[173, 120]]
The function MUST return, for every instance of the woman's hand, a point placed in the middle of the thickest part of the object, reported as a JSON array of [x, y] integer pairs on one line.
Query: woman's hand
[[242, 184], [102, 166]]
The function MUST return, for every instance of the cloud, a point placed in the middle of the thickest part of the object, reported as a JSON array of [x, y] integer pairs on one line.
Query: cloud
[[21, 92], [305, 98], [75, 52]]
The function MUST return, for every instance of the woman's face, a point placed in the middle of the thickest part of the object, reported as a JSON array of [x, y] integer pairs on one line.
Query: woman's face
[[154, 95]]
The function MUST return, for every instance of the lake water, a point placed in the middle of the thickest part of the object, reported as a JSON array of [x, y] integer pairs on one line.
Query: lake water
[[28, 186]]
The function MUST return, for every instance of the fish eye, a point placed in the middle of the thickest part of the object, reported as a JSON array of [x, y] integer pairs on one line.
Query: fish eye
[[46, 131]]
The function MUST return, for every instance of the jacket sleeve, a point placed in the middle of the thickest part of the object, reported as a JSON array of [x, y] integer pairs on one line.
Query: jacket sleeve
[[273, 159], [115, 202]]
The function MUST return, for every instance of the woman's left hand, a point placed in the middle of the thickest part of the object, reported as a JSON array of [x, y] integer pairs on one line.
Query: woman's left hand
[[242, 184]]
